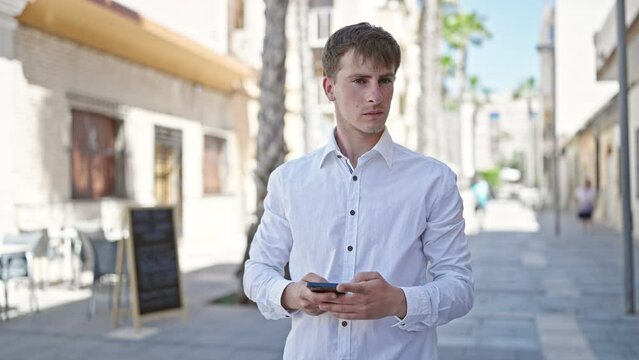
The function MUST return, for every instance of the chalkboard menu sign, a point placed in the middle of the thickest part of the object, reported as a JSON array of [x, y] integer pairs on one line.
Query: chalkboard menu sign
[[156, 284]]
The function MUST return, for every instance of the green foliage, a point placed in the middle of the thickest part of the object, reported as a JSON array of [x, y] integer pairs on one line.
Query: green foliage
[[526, 89], [492, 176], [460, 30], [448, 65], [479, 93], [463, 28]]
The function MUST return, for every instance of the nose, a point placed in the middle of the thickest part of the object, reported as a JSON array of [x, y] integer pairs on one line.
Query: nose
[[375, 94]]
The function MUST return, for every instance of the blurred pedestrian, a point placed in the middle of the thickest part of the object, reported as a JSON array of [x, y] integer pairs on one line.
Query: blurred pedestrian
[[586, 197], [481, 190], [368, 214]]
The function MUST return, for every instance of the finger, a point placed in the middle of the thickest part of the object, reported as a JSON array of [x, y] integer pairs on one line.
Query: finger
[[317, 298], [312, 277], [351, 287], [338, 308], [366, 276], [314, 311], [346, 299]]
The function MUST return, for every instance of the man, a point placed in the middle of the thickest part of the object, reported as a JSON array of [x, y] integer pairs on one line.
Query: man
[[384, 222]]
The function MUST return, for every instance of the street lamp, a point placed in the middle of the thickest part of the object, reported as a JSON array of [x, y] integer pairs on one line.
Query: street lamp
[[629, 280], [549, 48]]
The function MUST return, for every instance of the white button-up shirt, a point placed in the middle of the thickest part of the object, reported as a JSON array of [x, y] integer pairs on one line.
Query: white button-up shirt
[[397, 213]]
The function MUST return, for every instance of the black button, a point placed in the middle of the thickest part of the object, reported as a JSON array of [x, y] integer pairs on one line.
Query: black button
[[354, 177], [344, 323], [349, 248], [339, 156], [352, 212]]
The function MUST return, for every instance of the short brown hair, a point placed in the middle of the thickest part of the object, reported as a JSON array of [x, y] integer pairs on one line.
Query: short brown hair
[[368, 41]]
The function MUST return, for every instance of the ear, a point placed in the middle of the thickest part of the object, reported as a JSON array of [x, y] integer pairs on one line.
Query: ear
[[327, 84]]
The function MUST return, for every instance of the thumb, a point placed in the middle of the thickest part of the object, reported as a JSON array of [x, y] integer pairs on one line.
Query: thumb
[[312, 277]]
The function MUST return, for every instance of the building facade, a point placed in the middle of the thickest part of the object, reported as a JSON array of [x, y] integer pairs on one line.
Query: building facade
[[594, 152], [606, 71], [106, 108], [567, 69]]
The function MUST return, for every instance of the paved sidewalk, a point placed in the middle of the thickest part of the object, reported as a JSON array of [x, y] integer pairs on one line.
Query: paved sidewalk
[[537, 297], [210, 331], [542, 297]]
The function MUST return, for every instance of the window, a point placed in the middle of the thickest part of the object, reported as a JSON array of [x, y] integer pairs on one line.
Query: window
[[97, 156], [318, 68], [214, 167], [237, 11], [319, 26]]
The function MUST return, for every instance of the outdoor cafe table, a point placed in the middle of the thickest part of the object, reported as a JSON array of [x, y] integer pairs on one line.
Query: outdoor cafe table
[[5, 251]]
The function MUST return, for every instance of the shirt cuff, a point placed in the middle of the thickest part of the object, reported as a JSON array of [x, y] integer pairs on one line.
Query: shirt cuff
[[417, 307], [275, 297]]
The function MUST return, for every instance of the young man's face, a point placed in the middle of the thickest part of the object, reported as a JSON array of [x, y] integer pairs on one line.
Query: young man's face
[[362, 93]]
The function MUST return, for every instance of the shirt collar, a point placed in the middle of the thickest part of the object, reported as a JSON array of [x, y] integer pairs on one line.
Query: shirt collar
[[384, 147]]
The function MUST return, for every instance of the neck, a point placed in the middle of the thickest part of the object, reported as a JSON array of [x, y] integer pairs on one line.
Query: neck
[[354, 144]]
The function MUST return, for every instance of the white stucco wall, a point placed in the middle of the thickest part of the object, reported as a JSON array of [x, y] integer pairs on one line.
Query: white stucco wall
[[205, 22], [579, 94], [56, 76]]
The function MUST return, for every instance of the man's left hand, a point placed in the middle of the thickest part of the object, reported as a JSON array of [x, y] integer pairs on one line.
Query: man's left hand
[[369, 296]]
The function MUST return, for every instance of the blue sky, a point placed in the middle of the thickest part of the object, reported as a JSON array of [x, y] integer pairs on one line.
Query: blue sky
[[510, 55]]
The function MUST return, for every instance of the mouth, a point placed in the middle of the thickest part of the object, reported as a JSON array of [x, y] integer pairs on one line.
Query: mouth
[[374, 113]]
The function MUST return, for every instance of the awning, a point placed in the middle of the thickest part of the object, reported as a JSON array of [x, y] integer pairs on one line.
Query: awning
[[110, 27]]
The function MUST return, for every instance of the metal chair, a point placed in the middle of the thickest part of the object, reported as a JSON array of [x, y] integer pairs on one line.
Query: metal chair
[[39, 248], [19, 265], [102, 254]]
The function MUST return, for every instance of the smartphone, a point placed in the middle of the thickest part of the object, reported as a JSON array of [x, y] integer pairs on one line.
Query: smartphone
[[322, 287]]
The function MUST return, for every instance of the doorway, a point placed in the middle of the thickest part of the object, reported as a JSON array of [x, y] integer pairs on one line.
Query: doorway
[[168, 171]]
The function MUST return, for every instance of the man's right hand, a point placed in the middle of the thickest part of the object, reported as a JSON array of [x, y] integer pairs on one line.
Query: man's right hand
[[297, 296]]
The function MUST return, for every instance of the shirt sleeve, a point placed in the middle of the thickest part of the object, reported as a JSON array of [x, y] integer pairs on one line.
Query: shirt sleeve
[[450, 295], [264, 280]]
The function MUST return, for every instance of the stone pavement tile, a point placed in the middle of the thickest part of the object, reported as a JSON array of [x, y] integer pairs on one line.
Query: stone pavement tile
[[510, 343], [605, 356], [8, 338], [528, 355], [40, 347], [218, 353], [556, 322], [531, 259], [484, 353], [453, 329], [509, 322], [495, 331], [526, 333], [565, 354], [451, 353], [559, 339], [457, 341], [158, 351], [618, 353], [109, 350], [597, 335]]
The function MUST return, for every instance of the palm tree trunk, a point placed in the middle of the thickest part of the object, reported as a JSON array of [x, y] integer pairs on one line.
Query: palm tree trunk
[[474, 136], [462, 75], [430, 82], [306, 74], [271, 148]]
